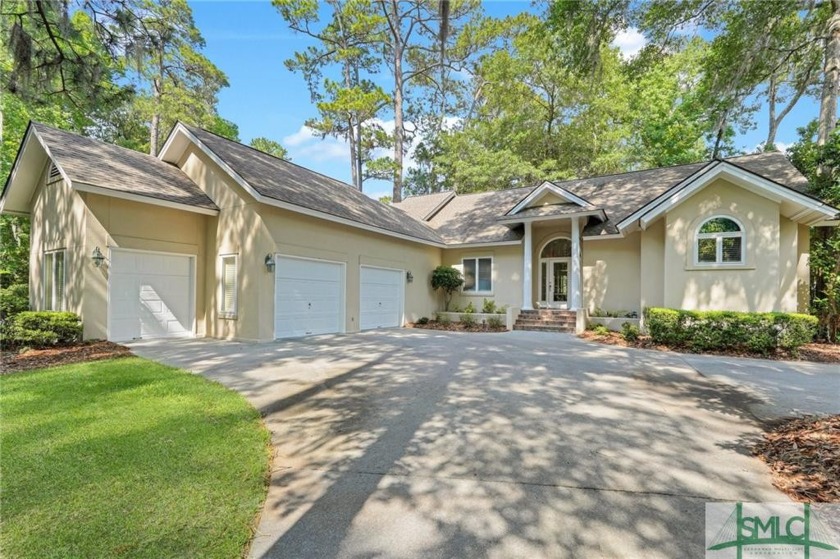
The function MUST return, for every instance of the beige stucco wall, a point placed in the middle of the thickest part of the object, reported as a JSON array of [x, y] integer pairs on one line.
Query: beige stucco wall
[[253, 230], [507, 275], [115, 223], [754, 286], [652, 266], [58, 217], [611, 274]]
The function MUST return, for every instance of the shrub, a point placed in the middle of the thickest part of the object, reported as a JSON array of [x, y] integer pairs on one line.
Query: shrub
[[442, 319], [601, 330], [630, 332], [727, 330], [45, 328], [423, 320], [13, 300], [447, 279], [470, 308], [495, 322], [489, 306], [468, 320]]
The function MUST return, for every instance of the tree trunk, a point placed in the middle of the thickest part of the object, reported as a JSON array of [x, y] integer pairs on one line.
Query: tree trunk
[[399, 130], [831, 76], [154, 126], [772, 123]]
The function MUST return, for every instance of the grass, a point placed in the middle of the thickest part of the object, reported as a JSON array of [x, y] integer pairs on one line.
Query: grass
[[127, 458]]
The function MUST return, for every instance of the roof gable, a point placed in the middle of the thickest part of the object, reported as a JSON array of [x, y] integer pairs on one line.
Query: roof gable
[[548, 193], [93, 166], [281, 183]]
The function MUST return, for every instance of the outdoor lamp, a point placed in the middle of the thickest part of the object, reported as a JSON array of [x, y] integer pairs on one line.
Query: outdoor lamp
[[98, 257], [409, 277], [269, 262]]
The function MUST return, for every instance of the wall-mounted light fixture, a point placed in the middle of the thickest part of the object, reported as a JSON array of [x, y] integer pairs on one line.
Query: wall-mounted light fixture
[[98, 257], [269, 262], [409, 277]]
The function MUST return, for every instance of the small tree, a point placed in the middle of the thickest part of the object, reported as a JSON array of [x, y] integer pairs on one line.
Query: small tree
[[449, 280]]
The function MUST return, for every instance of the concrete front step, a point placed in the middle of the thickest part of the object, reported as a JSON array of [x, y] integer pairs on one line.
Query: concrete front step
[[535, 328], [557, 323]]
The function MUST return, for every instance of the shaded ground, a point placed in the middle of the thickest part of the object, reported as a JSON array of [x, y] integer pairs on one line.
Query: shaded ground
[[12, 361], [417, 443], [816, 352], [804, 456]]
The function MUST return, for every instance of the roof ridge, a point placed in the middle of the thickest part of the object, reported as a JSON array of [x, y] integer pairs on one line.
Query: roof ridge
[[286, 161]]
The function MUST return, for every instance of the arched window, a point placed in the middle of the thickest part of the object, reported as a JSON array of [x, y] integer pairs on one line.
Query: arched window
[[719, 240], [558, 248]]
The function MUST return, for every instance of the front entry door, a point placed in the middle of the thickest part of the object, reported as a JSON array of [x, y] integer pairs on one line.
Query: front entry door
[[555, 281]]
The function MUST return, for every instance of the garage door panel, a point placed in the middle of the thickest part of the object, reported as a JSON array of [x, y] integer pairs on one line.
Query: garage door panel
[[308, 297], [380, 298], [150, 295]]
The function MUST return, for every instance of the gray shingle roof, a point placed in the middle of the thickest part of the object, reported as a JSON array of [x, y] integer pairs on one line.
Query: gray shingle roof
[[547, 211], [90, 161], [420, 207], [290, 183], [474, 217]]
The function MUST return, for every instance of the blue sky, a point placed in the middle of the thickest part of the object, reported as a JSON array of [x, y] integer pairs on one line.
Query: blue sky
[[249, 41]]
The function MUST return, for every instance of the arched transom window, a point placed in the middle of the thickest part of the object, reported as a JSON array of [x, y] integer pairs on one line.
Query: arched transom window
[[558, 248], [720, 240]]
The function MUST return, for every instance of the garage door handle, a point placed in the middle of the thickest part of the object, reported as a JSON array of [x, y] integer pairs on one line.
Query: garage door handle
[[309, 305]]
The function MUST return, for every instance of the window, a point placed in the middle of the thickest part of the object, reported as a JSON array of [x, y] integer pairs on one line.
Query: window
[[227, 305], [720, 240], [478, 275], [558, 248], [54, 280]]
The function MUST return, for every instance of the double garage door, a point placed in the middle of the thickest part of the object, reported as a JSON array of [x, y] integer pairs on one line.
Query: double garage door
[[150, 295], [310, 297]]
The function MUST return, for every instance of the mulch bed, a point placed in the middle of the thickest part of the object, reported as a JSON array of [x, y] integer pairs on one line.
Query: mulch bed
[[13, 362], [817, 352], [804, 457], [456, 327]]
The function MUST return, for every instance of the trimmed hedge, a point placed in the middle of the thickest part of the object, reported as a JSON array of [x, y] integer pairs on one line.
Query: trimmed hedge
[[727, 330], [44, 329]]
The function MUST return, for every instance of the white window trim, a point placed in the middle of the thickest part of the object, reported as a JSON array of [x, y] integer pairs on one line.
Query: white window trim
[[463, 271], [222, 312], [55, 287], [719, 263]]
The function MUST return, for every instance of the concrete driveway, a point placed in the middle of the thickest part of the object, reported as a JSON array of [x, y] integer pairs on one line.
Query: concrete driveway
[[412, 443]]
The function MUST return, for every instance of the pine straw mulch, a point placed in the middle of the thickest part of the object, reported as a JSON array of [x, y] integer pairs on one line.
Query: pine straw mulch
[[804, 457], [816, 352], [455, 327], [14, 362]]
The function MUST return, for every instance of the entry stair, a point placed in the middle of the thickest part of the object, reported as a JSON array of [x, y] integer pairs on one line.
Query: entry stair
[[546, 320]]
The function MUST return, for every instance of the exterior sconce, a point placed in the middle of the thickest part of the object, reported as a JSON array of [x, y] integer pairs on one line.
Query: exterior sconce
[[97, 257], [409, 277], [269, 263]]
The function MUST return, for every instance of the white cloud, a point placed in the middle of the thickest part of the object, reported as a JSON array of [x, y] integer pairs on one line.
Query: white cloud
[[630, 42], [306, 144]]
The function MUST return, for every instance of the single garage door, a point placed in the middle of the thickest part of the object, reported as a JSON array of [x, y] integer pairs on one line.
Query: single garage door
[[381, 298], [150, 295], [308, 297]]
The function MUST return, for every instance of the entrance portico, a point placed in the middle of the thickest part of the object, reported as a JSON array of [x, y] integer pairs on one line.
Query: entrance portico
[[557, 255]]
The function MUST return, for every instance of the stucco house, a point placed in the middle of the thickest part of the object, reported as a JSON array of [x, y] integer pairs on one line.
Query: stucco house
[[213, 238]]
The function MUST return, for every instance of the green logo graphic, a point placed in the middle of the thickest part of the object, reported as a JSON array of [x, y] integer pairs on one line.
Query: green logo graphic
[[801, 532]]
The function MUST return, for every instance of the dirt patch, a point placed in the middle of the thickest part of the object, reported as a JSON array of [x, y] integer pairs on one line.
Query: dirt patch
[[13, 362], [816, 352], [456, 327], [804, 456]]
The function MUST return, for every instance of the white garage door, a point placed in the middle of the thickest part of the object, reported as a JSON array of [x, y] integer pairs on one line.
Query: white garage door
[[150, 295], [308, 297], [381, 298]]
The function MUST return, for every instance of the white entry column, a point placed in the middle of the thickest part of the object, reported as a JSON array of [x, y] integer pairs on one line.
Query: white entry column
[[576, 278], [527, 258]]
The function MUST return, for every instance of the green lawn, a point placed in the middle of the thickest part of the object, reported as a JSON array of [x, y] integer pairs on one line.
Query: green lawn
[[127, 458]]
